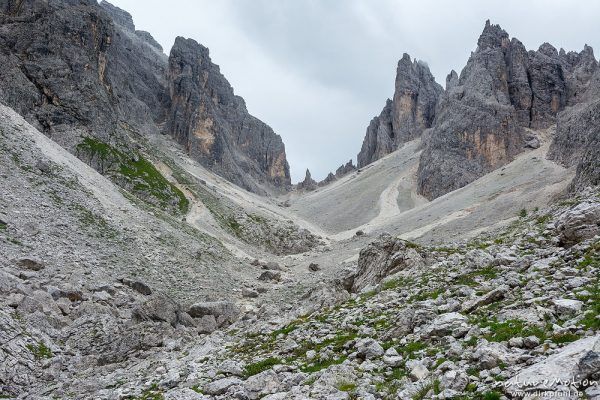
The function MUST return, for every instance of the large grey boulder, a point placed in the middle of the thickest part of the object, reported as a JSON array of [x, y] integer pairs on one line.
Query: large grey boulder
[[574, 363], [446, 324], [161, 308], [383, 257], [224, 312], [579, 223]]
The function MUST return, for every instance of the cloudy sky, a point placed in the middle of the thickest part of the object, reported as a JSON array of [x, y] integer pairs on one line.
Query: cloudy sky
[[317, 71]]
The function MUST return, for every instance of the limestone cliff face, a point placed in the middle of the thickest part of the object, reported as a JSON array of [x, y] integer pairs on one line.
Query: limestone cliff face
[[76, 68], [404, 118], [215, 126], [379, 138], [476, 128], [480, 117], [577, 139]]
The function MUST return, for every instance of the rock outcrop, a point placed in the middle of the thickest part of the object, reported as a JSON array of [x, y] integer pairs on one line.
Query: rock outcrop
[[342, 171], [404, 118], [308, 183], [215, 127], [479, 122], [382, 258]]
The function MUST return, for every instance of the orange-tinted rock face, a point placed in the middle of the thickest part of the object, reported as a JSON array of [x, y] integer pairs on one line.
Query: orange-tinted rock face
[[404, 118], [215, 126], [480, 118]]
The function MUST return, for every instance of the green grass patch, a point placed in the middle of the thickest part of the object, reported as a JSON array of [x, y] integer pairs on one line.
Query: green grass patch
[[319, 365], [409, 349], [346, 386], [258, 367], [40, 351], [135, 173], [504, 331], [284, 331]]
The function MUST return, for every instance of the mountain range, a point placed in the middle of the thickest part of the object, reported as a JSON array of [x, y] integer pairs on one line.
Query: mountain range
[[153, 246]]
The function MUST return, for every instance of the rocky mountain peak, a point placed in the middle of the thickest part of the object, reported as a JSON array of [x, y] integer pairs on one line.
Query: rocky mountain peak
[[411, 111], [308, 183], [119, 16], [492, 36]]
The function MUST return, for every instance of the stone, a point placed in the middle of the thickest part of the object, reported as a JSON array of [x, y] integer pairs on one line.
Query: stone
[[383, 257], [392, 358], [531, 342], [231, 367], [566, 365], [33, 264], [160, 308], [224, 312], [369, 349], [270, 276], [138, 286], [566, 308], [273, 266], [206, 324], [221, 386], [455, 380], [418, 371], [578, 223], [314, 267], [446, 324], [488, 298], [249, 293]]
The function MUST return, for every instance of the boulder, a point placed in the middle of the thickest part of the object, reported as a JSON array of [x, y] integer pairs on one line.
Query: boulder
[[579, 223], [138, 286], [160, 308], [576, 362], [224, 312], [369, 349], [383, 257], [270, 276], [33, 264], [446, 324]]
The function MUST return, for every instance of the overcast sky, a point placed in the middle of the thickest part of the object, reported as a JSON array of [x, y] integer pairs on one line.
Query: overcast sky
[[317, 71]]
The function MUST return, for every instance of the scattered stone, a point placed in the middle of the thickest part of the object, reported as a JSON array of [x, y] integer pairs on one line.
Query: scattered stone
[[270, 276]]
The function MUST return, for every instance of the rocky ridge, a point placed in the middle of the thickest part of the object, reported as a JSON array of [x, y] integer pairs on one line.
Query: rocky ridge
[[488, 114]]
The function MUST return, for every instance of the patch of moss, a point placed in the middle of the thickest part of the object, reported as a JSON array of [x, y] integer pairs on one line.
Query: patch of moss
[[284, 331], [346, 386], [408, 350], [3, 226]]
